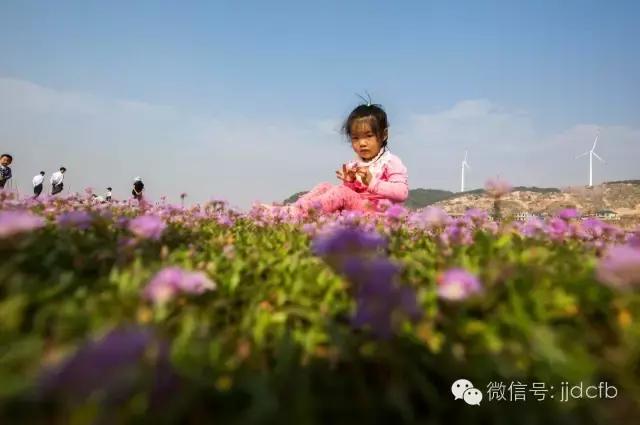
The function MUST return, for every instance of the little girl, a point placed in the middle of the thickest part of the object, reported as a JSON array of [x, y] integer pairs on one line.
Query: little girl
[[376, 174]]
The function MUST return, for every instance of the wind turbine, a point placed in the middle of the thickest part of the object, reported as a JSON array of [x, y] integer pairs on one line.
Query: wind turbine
[[591, 153], [464, 164]]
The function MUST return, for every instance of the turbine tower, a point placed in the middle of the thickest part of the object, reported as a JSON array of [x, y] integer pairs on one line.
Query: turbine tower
[[464, 164], [591, 153]]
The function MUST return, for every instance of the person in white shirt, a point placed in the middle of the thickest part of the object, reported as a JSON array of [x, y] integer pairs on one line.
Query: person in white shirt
[[56, 181], [38, 180], [108, 196]]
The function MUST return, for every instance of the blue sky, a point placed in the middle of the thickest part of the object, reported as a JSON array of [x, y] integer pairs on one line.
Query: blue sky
[[199, 86]]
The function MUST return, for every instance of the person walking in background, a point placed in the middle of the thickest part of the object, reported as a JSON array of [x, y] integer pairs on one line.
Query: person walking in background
[[5, 170], [138, 187], [108, 195], [38, 181], [56, 181]]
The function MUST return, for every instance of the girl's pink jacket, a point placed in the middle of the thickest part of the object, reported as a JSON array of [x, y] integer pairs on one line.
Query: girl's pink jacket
[[390, 180]]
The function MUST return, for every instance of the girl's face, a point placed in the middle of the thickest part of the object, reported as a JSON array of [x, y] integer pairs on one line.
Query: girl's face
[[365, 143]]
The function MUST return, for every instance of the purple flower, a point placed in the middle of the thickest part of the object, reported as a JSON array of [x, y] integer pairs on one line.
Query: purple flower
[[533, 227], [620, 267], [16, 222], [381, 303], [477, 216], [457, 234], [224, 220], [593, 227], [344, 240], [396, 212], [110, 368], [171, 281], [457, 284], [383, 204], [557, 229], [430, 217], [78, 219], [195, 283], [147, 227], [569, 213], [497, 188]]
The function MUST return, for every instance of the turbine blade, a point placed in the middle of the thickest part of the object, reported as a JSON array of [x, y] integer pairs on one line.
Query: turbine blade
[[595, 141], [596, 155], [582, 154]]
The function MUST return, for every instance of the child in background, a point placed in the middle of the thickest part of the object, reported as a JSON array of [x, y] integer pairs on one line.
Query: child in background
[[375, 175], [5, 170], [38, 181], [108, 195], [138, 187]]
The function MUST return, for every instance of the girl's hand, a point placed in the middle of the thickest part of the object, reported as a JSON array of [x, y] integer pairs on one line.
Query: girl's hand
[[346, 175], [365, 175]]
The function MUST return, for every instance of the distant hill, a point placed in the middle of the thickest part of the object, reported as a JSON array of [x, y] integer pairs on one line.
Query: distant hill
[[621, 197], [420, 198], [634, 182], [293, 198]]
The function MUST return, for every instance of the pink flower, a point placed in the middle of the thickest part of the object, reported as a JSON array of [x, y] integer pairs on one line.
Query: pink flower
[[78, 219], [16, 222], [569, 213], [147, 227], [557, 229], [171, 281], [430, 217], [396, 212], [457, 284], [620, 267], [497, 188]]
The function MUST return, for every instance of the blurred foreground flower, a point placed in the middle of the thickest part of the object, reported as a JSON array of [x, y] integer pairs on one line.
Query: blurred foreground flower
[[112, 368], [147, 227], [497, 188], [16, 222], [457, 284], [346, 240], [569, 213], [171, 281], [430, 217], [381, 302], [620, 267], [78, 219]]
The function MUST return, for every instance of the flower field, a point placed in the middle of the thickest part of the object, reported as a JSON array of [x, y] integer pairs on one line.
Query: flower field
[[127, 313]]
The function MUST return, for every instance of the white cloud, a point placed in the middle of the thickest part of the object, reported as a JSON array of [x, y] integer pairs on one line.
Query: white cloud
[[108, 142]]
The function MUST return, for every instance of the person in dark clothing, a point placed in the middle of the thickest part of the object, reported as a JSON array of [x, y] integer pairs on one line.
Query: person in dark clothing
[[138, 187], [5, 170]]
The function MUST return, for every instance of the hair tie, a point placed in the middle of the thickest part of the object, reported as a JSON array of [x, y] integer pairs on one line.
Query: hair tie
[[366, 101]]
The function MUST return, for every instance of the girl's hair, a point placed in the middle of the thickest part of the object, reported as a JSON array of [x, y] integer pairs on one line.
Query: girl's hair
[[374, 114]]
